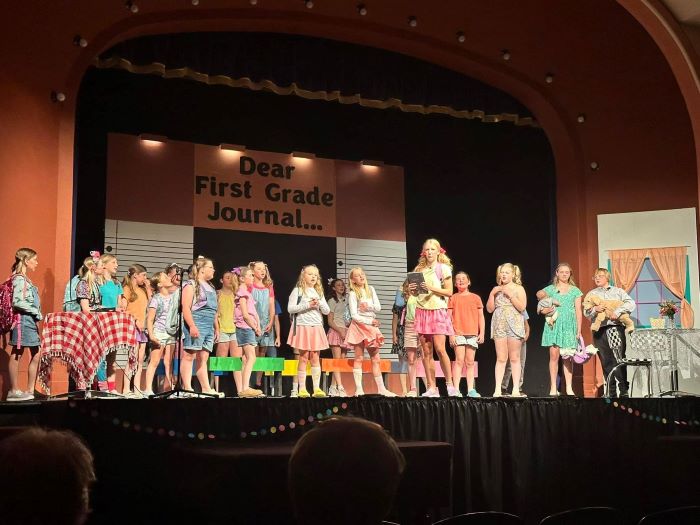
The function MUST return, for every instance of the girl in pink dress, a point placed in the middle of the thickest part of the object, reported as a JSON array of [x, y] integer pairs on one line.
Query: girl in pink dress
[[433, 322], [363, 332]]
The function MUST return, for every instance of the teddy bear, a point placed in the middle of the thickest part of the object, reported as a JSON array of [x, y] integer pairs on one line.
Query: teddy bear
[[610, 305]]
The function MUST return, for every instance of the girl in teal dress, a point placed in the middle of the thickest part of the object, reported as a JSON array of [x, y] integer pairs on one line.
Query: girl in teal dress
[[562, 337]]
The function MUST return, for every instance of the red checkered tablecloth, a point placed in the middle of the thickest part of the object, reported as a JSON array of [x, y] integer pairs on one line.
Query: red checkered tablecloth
[[83, 340]]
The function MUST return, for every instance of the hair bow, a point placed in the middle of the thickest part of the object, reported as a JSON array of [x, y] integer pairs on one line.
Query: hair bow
[[237, 270], [442, 250], [95, 255], [330, 280]]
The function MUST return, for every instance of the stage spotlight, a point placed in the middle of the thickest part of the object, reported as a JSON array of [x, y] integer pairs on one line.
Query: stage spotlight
[[195, 2], [581, 118], [58, 96], [131, 6], [505, 54], [309, 4], [362, 9], [79, 41], [253, 2], [549, 78], [375, 163], [152, 140], [232, 147], [303, 155], [595, 166], [412, 21], [461, 37]]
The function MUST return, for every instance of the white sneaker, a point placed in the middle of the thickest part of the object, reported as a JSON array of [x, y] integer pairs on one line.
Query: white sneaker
[[148, 393], [18, 395], [453, 391], [295, 393], [411, 393], [387, 393], [431, 392], [359, 392], [341, 391], [333, 391]]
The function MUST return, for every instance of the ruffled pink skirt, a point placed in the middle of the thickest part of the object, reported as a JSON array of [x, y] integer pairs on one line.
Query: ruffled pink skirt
[[311, 338], [433, 322], [335, 339], [364, 334]]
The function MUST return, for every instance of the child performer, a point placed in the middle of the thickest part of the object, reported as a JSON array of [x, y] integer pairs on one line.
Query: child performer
[[468, 321], [156, 320], [264, 296], [227, 346], [25, 335], [199, 307], [136, 294], [433, 321], [405, 337], [336, 332], [308, 305], [87, 290], [363, 332], [112, 295], [507, 301], [247, 328]]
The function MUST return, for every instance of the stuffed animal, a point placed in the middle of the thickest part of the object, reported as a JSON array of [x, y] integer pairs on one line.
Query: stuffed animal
[[610, 305]]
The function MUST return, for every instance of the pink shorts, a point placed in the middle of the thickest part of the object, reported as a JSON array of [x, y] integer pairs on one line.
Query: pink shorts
[[335, 339]]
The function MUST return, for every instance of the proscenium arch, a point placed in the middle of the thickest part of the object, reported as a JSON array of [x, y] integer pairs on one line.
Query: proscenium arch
[[574, 243]]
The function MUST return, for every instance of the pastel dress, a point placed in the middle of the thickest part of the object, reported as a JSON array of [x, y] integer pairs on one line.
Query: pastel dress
[[337, 306], [261, 296], [203, 314], [563, 332], [432, 316], [361, 330], [25, 301], [506, 321]]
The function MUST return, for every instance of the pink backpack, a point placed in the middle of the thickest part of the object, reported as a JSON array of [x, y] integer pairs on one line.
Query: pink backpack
[[8, 317]]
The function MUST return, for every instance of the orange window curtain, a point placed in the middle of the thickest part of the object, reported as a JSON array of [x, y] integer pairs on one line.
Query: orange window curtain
[[626, 266], [670, 264]]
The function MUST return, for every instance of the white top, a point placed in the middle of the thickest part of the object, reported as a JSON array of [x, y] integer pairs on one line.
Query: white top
[[307, 316], [338, 309], [372, 304]]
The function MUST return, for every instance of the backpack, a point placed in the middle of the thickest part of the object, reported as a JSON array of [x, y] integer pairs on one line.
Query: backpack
[[8, 316], [70, 296]]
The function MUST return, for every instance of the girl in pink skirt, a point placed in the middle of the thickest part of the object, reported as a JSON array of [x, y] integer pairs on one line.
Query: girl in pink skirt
[[432, 321], [308, 306], [363, 332], [336, 331]]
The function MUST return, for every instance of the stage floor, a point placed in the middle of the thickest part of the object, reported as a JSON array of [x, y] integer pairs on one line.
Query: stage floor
[[529, 456]]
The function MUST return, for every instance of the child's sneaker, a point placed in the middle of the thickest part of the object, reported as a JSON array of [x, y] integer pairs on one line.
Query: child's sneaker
[[453, 391], [387, 393], [294, 393], [431, 392], [473, 393], [411, 393], [333, 391], [18, 395], [359, 392], [319, 393], [303, 393], [341, 391]]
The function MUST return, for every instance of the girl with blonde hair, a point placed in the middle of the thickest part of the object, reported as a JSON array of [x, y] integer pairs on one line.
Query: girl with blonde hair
[[432, 319], [264, 295], [363, 332], [226, 344], [308, 306], [506, 302], [199, 307], [25, 333]]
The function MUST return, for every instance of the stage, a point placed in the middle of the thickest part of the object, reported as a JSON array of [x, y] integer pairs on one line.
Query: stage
[[227, 458]]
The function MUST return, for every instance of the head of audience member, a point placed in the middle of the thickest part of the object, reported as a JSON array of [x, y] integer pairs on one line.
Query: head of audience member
[[364, 463], [45, 477]]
